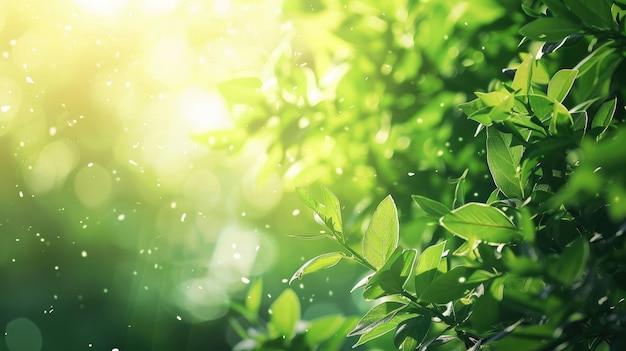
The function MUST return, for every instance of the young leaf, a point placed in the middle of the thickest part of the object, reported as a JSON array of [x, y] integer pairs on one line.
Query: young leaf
[[561, 83], [392, 277], [285, 313], [482, 222], [453, 284], [318, 263], [549, 29], [308, 200], [521, 82], [503, 160], [428, 266], [242, 90], [431, 207], [333, 209], [382, 235], [459, 190], [603, 117], [255, 295]]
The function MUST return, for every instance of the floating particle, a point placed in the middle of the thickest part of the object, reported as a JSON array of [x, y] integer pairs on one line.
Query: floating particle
[[183, 216], [245, 280], [84, 253]]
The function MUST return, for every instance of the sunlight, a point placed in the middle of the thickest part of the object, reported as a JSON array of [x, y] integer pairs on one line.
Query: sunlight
[[103, 8]]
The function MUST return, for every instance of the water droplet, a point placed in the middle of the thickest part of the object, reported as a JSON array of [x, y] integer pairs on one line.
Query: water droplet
[[21, 194], [295, 212], [132, 162], [179, 318], [285, 281], [245, 280], [411, 174], [121, 217], [84, 253]]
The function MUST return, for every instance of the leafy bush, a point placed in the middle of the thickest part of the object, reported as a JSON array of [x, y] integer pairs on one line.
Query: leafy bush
[[541, 264]]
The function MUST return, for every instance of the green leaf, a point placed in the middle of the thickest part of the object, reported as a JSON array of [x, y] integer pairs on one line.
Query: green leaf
[[459, 190], [323, 328], [431, 207], [377, 315], [596, 14], [454, 284], [315, 264], [428, 266], [285, 314], [308, 200], [522, 79], [333, 209], [602, 120], [472, 106], [253, 301], [504, 163], [560, 10], [561, 83], [382, 235], [550, 29], [244, 90], [493, 98], [384, 328], [482, 222], [411, 332], [541, 106], [392, 277], [572, 262]]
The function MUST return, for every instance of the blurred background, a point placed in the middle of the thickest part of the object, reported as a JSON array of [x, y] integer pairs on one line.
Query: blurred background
[[149, 151]]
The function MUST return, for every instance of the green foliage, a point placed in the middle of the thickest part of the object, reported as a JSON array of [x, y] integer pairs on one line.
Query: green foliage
[[540, 264]]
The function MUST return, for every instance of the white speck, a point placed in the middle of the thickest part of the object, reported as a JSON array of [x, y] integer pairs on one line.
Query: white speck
[[440, 153], [29, 80], [183, 216], [5, 108], [179, 318], [284, 281], [84, 253], [411, 174], [245, 280], [173, 205], [127, 85], [21, 194], [121, 217], [109, 83], [295, 212], [243, 214], [90, 164], [236, 255], [52, 131], [115, 349], [132, 162], [462, 280]]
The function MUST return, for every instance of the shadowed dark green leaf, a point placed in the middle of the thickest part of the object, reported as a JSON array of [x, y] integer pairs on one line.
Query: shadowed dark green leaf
[[392, 277], [603, 117], [377, 315], [454, 284], [550, 29], [411, 332]]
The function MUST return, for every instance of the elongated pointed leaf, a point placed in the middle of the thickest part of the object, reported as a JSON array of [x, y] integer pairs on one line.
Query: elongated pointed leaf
[[392, 277], [481, 222], [504, 163], [384, 328], [318, 263], [428, 266], [308, 200], [603, 117], [561, 83], [377, 315], [454, 284], [411, 332], [550, 29], [521, 82], [333, 209], [431, 207], [255, 295], [382, 235], [285, 314], [323, 328], [459, 190]]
